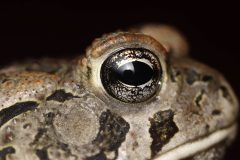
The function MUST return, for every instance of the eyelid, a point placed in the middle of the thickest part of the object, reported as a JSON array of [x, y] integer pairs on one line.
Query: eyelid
[[122, 40]]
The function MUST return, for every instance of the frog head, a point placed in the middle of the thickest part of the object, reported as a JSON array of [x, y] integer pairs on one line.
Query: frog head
[[173, 107]]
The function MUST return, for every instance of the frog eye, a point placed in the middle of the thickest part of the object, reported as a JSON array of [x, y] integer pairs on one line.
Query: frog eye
[[128, 67], [131, 74]]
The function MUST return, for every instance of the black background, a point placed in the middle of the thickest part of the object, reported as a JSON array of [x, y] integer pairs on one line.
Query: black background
[[55, 29]]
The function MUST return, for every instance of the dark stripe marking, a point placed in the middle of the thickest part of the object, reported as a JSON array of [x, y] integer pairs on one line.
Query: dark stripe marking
[[61, 96], [40, 133], [199, 98], [8, 113], [226, 93], [207, 78], [112, 133], [5, 151], [216, 112], [113, 130], [193, 76], [42, 154], [162, 129]]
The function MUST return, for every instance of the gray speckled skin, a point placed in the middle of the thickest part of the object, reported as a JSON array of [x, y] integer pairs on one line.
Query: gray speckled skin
[[75, 119]]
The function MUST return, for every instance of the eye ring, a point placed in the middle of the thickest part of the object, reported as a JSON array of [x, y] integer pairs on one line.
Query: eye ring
[[131, 75]]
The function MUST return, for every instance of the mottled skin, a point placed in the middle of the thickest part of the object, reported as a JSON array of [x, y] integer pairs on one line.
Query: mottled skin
[[58, 109]]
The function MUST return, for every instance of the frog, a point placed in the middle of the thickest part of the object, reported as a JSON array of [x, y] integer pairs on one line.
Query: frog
[[134, 94]]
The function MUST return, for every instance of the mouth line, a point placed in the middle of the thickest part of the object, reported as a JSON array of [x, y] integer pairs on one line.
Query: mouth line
[[189, 149]]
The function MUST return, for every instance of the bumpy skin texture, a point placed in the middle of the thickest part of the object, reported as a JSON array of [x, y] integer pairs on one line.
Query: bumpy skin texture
[[58, 110]]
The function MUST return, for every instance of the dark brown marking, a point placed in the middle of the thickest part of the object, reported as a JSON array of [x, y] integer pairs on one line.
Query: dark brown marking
[[216, 112], [61, 96], [89, 72], [192, 76], [40, 133], [135, 145], [42, 154], [8, 113], [3, 78], [112, 133], [162, 129], [65, 147], [173, 74], [207, 127], [207, 78], [5, 151], [199, 98], [27, 125], [226, 93]]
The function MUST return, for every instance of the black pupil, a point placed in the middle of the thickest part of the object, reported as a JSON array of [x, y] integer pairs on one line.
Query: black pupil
[[133, 73]]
